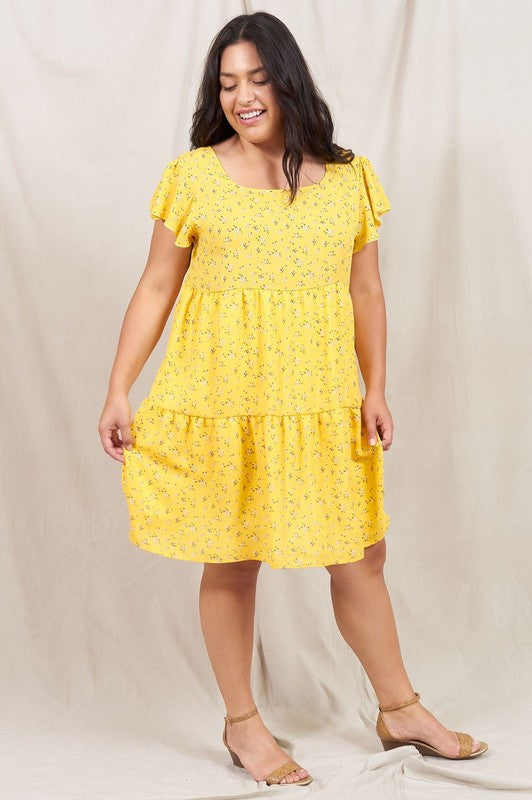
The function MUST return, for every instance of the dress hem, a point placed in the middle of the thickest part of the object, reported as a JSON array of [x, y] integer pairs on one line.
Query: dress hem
[[271, 562]]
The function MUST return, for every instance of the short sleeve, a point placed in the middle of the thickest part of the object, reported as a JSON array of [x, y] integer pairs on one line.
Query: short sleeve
[[172, 202], [372, 203]]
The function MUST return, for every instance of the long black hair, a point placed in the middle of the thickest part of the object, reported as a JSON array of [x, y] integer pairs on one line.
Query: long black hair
[[308, 125]]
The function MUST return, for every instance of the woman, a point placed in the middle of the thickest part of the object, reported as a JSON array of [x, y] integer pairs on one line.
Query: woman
[[254, 443]]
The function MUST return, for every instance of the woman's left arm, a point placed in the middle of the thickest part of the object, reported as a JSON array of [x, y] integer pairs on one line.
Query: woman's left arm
[[369, 309]]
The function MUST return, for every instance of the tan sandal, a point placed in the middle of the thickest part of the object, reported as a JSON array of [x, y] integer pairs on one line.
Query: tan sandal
[[389, 741], [277, 774]]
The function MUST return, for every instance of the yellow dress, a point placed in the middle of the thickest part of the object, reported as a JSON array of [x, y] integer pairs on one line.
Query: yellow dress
[[250, 443]]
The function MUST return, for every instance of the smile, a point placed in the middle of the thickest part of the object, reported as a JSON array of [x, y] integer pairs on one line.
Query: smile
[[251, 114]]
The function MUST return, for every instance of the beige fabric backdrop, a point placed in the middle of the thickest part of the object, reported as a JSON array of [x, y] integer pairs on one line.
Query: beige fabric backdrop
[[106, 686]]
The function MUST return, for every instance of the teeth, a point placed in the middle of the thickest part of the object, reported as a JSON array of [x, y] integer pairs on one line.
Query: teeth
[[250, 115]]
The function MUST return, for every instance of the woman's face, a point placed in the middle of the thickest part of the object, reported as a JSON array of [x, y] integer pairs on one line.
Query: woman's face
[[245, 87]]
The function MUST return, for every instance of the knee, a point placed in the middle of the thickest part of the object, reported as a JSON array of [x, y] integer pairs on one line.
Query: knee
[[376, 556], [372, 565], [233, 572]]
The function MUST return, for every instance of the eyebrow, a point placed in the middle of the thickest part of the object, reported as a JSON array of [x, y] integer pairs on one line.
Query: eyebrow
[[251, 72]]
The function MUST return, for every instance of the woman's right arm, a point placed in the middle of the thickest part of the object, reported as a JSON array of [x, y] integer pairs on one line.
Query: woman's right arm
[[143, 324]]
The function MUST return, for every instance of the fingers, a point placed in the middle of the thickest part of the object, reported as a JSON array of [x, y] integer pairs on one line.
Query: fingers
[[377, 420], [115, 426], [127, 439], [386, 434], [113, 444], [386, 439]]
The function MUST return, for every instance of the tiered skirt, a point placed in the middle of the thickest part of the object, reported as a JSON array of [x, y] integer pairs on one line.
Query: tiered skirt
[[250, 444]]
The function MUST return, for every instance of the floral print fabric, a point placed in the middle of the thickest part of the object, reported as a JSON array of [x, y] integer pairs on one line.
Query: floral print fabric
[[250, 443]]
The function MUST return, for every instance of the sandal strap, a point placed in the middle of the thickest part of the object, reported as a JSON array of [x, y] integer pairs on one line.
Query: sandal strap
[[401, 705], [466, 744], [249, 714], [280, 772]]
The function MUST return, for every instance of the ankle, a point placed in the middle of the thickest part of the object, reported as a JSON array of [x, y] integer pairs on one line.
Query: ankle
[[243, 719], [405, 705], [241, 711]]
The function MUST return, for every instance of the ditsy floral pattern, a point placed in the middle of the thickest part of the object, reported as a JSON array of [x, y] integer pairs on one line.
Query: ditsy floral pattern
[[250, 444]]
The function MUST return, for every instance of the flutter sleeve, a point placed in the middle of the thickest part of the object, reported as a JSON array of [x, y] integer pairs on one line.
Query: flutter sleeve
[[172, 201], [372, 203]]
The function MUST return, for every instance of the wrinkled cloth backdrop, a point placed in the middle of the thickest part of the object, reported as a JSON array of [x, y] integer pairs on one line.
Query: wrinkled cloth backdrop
[[107, 690]]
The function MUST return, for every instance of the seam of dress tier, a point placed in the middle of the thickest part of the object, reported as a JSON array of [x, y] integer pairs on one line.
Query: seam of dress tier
[[253, 416], [264, 289]]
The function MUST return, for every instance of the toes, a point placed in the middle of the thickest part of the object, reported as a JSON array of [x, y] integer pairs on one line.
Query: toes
[[294, 776]]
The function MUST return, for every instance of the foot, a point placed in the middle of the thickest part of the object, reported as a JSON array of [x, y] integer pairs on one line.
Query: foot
[[415, 722], [258, 751]]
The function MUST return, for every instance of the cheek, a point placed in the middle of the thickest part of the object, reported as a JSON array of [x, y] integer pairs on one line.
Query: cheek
[[271, 101], [225, 100]]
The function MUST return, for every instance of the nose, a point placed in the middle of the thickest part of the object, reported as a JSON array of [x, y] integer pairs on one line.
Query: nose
[[246, 96]]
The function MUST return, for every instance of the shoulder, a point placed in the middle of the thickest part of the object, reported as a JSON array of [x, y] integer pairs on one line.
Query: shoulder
[[350, 168], [188, 161], [362, 170], [365, 166], [360, 163], [348, 173], [185, 170]]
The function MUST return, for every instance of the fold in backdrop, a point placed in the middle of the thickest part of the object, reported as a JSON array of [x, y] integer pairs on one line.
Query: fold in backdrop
[[107, 690]]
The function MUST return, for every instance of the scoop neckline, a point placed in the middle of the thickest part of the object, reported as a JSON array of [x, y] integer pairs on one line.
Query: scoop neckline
[[255, 189]]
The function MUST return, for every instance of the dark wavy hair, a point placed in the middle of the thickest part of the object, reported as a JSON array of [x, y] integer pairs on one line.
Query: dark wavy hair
[[308, 125]]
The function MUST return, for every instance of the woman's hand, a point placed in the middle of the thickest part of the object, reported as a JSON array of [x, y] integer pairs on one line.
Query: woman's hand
[[116, 416], [376, 417]]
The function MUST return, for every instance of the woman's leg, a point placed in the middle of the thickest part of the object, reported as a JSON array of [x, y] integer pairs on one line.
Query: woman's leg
[[227, 612], [365, 618]]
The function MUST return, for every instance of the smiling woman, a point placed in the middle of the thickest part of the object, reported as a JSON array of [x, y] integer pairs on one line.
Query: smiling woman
[[233, 98], [251, 105], [263, 132], [254, 443]]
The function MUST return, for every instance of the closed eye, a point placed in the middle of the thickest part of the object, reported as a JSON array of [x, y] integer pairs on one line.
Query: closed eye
[[230, 88]]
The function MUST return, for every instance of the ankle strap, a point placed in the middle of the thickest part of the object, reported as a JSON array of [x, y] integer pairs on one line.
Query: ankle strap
[[249, 714], [401, 705]]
